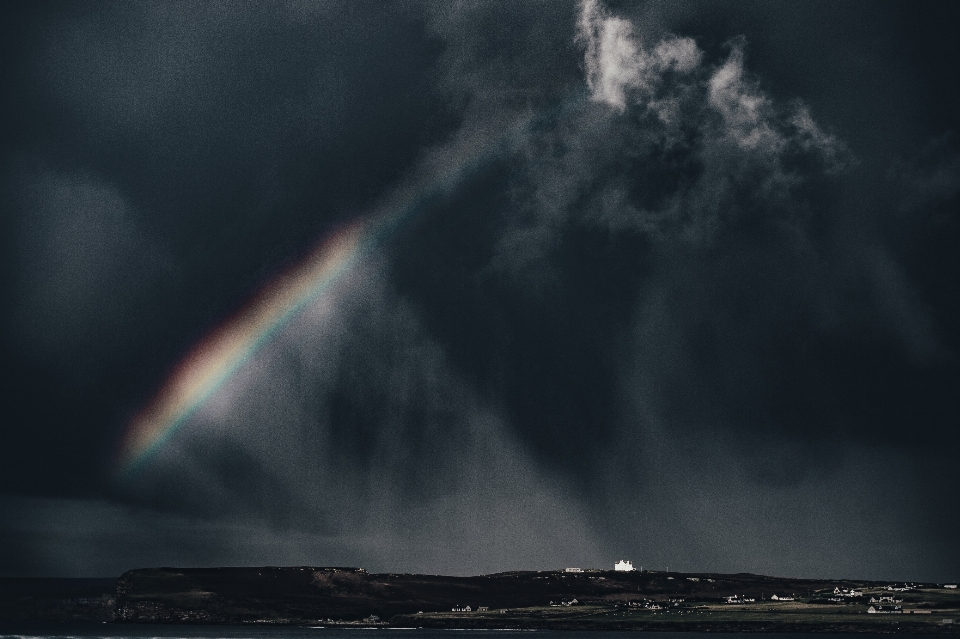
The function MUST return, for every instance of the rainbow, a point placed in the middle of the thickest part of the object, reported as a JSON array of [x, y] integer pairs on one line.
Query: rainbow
[[224, 350]]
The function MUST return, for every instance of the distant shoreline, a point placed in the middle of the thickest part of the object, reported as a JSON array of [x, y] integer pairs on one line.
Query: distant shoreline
[[588, 600]]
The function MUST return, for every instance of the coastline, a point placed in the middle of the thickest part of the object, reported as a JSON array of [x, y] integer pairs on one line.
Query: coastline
[[592, 600]]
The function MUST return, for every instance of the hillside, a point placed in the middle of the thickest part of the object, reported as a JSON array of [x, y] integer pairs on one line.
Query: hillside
[[550, 599]]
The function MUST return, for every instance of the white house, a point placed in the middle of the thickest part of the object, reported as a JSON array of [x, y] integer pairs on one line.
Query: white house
[[573, 570], [896, 610], [624, 565]]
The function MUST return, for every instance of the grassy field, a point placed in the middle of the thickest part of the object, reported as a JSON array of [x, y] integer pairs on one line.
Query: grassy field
[[932, 610]]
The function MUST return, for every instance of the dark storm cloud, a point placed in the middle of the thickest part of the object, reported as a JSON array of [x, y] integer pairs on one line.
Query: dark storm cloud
[[82, 264], [689, 258], [701, 152], [352, 430], [90, 537], [698, 312], [164, 158]]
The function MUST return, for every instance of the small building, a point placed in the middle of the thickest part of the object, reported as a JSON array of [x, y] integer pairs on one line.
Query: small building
[[783, 598], [573, 570], [624, 565], [903, 588], [949, 585], [483, 608], [888, 610]]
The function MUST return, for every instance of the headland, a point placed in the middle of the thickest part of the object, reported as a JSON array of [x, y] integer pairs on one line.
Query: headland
[[571, 599]]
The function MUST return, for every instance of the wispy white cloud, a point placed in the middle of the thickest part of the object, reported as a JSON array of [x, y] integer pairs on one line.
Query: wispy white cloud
[[617, 62], [747, 113]]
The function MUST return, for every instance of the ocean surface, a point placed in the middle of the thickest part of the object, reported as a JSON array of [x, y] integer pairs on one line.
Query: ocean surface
[[29, 630]]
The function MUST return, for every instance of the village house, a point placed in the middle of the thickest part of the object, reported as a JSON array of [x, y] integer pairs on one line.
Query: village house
[[903, 588], [783, 598], [573, 570], [624, 565], [880, 610]]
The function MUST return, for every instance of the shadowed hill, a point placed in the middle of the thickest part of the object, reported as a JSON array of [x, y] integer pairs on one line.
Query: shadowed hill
[[314, 595]]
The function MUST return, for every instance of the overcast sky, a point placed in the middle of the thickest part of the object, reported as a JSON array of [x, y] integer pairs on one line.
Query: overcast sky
[[675, 282]]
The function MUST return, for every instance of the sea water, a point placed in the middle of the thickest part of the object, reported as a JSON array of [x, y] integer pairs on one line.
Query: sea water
[[30, 630]]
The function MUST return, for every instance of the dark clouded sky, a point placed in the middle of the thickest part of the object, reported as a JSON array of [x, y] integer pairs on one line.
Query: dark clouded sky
[[674, 282]]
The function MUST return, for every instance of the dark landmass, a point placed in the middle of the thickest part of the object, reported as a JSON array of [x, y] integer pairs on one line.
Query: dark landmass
[[58, 599], [557, 600]]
